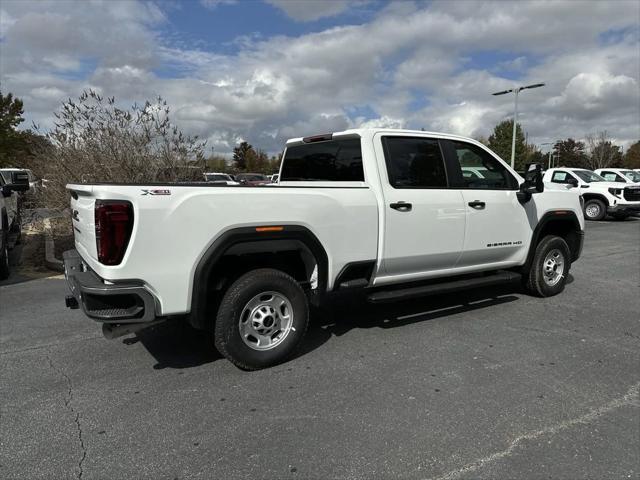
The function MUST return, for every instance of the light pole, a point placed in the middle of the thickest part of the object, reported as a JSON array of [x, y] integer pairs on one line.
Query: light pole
[[515, 115], [550, 150]]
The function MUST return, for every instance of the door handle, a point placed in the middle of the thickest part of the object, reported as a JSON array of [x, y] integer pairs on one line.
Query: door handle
[[401, 206], [477, 204]]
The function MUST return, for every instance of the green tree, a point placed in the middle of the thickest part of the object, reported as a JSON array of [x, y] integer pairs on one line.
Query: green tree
[[571, 153], [602, 152], [535, 156], [632, 156], [216, 163], [96, 140], [11, 111], [274, 163], [243, 154], [500, 142]]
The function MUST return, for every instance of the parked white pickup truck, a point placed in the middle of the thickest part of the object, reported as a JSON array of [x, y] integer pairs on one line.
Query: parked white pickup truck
[[621, 175], [10, 222], [387, 212], [600, 196]]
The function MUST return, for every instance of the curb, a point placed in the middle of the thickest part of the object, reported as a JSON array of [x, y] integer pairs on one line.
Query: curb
[[50, 259]]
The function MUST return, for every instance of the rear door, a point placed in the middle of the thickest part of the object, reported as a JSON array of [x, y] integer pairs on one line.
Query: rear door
[[424, 219], [497, 227]]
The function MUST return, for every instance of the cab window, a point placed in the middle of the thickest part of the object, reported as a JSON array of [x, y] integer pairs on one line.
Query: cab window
[[480, 170], [612, 177], [333, 160], [560, 177]]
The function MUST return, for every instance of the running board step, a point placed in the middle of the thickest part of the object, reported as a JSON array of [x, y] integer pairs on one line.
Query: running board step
[[443, 287]]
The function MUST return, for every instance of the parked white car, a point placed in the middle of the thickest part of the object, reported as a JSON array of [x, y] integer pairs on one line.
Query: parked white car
[[375, 211], [622, 175], [219, 178], [601, 197]]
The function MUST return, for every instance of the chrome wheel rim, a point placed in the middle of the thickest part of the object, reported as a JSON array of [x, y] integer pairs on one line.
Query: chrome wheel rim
[[553, 267], [592, 210], [266, 321]]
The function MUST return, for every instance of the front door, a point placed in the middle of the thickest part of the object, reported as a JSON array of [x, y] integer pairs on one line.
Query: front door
[[497, 227], [424, 219]]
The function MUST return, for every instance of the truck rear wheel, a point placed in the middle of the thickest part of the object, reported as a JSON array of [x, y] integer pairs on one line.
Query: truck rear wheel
[[262, 319], [594, 209], [550, 267]]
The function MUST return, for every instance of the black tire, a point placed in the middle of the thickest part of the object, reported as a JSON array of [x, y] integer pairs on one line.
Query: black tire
[[234, 307], [535, 281], [595, 210], [4, 259], [17, 229], [619, 216]]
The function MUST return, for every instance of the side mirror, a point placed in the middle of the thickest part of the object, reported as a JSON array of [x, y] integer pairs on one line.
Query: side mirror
[[19, 182], [6, 191], [572, 182], [532, 182]]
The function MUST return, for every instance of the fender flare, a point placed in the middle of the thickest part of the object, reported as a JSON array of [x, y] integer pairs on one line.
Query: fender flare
[[568, 217], [589, 196], [203, 273]]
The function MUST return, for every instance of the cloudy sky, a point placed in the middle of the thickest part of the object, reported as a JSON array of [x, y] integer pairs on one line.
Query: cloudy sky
[[263, 71]]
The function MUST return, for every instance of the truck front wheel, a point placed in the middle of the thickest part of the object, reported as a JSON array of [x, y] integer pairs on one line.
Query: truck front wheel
[[550, 267], [594, 209], [262, 319]]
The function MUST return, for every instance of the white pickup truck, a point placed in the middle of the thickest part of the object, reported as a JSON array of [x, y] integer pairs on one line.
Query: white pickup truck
[[11, 182], [601, 197], [384, 212]]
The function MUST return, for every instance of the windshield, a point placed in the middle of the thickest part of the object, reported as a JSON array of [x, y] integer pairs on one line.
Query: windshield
[[631, 175], [588, 176]]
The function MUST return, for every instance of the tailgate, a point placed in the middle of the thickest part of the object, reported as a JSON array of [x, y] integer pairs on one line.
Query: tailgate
[[83, 217]]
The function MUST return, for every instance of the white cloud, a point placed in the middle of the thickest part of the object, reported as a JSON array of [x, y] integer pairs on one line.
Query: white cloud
[[380, 122], [212, 4], [6, 21], [309, 10], [409, 64]]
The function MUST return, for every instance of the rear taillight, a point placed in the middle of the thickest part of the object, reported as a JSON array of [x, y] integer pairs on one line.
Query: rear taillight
[[114, 222]]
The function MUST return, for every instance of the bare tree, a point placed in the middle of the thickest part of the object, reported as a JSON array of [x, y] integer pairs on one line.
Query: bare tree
[[94, 140], [602, 152]]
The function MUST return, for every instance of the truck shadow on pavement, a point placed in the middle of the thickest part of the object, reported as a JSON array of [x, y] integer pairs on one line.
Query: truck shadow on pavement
[[347, 313], [175, 344]]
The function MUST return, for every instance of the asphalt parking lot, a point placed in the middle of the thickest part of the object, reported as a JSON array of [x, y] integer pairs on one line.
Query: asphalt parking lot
[[488, 384]]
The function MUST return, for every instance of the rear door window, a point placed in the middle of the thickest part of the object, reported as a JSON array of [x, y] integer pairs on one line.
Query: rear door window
[[334, 161], [414, 162]]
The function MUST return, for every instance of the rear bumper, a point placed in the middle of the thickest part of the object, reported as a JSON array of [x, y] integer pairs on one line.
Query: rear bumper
[[119, 303]]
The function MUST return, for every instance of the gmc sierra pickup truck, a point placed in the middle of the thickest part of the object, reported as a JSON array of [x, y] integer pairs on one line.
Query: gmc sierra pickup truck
[[388, 213], [600, 196]]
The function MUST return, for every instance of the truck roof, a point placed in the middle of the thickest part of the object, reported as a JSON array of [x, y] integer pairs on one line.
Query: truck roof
[[369, 132]]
